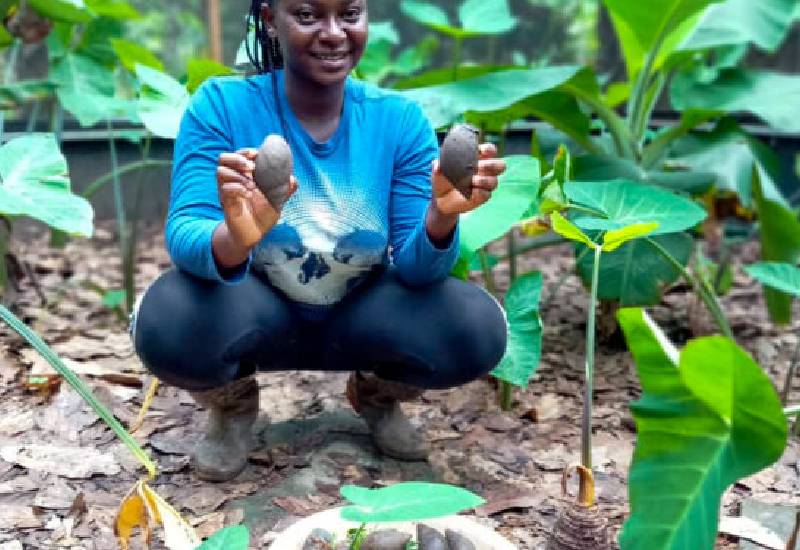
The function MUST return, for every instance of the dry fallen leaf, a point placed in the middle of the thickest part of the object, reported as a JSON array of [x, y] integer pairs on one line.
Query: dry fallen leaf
[[144, 508], [70, 462]]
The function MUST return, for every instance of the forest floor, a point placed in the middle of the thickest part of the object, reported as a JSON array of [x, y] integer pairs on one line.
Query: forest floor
[[63, 473]]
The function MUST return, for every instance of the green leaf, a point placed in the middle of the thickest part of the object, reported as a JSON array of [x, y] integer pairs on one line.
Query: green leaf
[[636, 274], [650, 20], [622, 203], [235, 537], [407, 501], [524, 349], [68, 11], [552, 199], [486, 16], [15, 94], [115, 9], [200, 70], [518, 188], [86, 89], [35, 184], [568, 230], [702, 426], [762, 93], [731, 154], [445, 103], [162, 102], [782, 277], [617, 237], [427, 14], [114, 298], [779, 229], [130, 54], [764, 23]]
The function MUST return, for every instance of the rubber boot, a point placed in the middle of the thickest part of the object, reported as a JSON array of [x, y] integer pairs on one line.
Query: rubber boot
[[232, 410], [377, 401]]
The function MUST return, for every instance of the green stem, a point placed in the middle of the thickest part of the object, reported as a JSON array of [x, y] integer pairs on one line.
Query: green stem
[[512, 256], [457, 56], [586, 426], [586, 210], [653, 93], [122, 224], [640, 89], [45, 351], [5, 240], [535, 244], [615, 124], [506, 395], [100, 182], [787, 385], [488, 277], [706, 294], [130, 254], [791, 411]]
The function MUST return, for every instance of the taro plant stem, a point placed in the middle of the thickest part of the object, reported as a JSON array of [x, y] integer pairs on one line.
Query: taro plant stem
[[122, 225], [5, 239], [586, 425], [787, 385], [705, 293]]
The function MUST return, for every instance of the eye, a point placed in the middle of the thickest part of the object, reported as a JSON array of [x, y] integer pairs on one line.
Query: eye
[[304, 16], [352, 15]]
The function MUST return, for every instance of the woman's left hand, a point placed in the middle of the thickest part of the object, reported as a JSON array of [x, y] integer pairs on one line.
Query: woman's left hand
[[449, 201]]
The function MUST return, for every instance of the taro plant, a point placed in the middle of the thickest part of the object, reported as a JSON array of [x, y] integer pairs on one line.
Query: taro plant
[[708, 416], [784, 279], [377, 65], [687, 52], [407, 501], [35, 184]]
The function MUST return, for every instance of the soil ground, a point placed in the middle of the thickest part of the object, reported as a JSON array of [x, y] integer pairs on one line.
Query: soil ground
[[63, 473]]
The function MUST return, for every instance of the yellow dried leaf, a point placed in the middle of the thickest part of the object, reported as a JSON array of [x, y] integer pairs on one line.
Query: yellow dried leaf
[[534, 227], [148, 400], [178, 534], [143, 507], [132, 513]]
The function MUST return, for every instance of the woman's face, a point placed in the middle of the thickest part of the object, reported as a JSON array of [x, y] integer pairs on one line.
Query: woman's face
[[322, 40]]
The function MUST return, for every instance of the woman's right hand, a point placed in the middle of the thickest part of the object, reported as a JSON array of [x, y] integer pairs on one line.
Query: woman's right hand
[[248, 213]]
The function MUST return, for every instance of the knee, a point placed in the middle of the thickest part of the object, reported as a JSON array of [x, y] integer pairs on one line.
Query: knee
[[477, 337], [172, 338]]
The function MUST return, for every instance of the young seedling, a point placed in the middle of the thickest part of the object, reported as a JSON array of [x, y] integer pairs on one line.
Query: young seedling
[[274, 169], [459, 157], [581, 520]]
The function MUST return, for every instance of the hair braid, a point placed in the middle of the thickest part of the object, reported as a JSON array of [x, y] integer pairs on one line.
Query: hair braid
[[265, 54]]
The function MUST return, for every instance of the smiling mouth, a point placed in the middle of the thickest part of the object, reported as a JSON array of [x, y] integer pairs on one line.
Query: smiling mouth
[[331, 56]]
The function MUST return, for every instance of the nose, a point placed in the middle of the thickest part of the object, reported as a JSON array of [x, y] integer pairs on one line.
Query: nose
[[332, 31]]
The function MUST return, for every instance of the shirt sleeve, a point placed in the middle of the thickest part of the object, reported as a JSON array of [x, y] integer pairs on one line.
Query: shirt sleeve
[[418, 261], [194, 209]]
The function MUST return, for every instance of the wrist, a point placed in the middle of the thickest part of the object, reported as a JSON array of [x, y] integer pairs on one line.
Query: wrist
[[228, 253], [440, 226]]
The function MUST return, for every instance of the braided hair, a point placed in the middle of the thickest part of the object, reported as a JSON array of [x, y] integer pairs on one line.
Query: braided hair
[[265, 54]]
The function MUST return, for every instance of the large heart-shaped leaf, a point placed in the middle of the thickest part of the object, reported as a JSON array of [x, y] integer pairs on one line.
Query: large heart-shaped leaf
[[636, 274], [651, 21], [780, 276], [764, 23], [407, 501], [518, 188], [524, 348], [445, 103], [762, 93], [235, 537], [621, 203], [708, 417], [69, 11], [35, 184], [779, 229], [486, 16], [731, 155], [162, 101]]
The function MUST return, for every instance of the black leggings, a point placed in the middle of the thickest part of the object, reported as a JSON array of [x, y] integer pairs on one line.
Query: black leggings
[[197, 334]]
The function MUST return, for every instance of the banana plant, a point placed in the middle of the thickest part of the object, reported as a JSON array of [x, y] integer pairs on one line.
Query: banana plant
[[708, 416]]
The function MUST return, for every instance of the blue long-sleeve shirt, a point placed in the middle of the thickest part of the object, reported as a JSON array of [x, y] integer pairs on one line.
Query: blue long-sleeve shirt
[[361, 201]]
